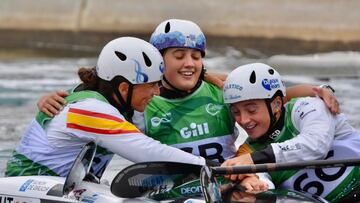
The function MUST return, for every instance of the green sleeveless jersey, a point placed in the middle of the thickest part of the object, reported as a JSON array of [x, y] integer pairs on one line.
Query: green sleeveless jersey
[[200, 123]]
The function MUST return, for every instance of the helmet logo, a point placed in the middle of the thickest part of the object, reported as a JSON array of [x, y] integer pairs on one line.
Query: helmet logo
[[190, 41], [141, 77], [270, 84], [232, 86], [161, 67], [178, 39]]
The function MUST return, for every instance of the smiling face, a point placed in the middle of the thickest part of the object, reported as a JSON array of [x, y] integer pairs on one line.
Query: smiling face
[[142, 95], [182, 67], [252, 116]]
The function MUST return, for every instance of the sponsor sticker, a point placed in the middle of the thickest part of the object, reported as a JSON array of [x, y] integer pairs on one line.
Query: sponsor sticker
[[34, 185], [25, 185], [233, 86], [191, 190], [270, 84], [286, 148], [90, 199]]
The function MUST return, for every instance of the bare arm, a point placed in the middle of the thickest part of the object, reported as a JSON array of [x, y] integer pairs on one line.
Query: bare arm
[[217, 79], [312, 91], [302, 90]]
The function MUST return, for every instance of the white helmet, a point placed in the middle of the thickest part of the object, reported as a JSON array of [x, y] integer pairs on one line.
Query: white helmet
[[132, 58], [252, 81], [178, 33]]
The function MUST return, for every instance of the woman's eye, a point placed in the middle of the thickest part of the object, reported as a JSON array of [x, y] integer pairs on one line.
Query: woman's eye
[[196, 57], [252, 111], [178, 56], [234, 111]]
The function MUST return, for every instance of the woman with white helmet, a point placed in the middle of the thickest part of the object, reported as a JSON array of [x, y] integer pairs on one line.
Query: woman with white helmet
[[303, 129], [189, 113], [99, 111]]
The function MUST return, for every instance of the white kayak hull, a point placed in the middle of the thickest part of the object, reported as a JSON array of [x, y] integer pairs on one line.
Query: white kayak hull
[[36, 189]]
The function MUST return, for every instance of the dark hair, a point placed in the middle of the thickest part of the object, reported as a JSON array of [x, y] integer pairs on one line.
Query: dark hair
[[92, 82]]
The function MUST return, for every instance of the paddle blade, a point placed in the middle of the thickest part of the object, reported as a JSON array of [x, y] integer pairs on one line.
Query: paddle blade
[[210, 186], [151, 178], [80, 167]]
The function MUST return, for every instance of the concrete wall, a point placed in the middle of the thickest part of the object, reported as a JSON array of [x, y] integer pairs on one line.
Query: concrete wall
[[330, 20]]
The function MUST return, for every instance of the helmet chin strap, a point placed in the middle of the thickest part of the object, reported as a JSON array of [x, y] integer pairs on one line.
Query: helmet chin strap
[[276, 125], [125, 106]]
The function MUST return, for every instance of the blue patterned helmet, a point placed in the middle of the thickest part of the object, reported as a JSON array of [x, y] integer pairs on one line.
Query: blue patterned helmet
[[178, 33], [132, 58]]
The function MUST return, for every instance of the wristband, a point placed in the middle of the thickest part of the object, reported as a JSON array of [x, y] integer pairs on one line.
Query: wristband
[[327, 87]]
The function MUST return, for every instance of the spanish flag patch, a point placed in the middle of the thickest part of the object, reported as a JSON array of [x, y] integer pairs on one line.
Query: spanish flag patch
[[94, 122]]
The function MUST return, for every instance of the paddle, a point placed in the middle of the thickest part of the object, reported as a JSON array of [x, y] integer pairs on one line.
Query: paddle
[[211, 188], [152, 178]]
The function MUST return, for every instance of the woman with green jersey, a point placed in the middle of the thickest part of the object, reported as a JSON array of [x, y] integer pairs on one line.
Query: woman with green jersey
[[190, 113], [303, 129]]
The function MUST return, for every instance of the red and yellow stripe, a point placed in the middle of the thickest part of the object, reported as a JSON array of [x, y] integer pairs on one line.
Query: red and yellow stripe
[[99, 123]]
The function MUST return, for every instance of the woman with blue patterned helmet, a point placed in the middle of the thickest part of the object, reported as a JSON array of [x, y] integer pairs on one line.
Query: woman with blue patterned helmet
[[189, 113], [182, 45]]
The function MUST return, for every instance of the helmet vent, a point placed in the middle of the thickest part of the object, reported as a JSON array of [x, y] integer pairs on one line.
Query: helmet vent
[[252, 77], [147, 60], [167, 27], [271, 71], [120, 55]]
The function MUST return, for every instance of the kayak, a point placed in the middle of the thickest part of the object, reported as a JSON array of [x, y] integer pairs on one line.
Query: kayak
[[50, 189], [139, 183], [39, 189], [72, 188]]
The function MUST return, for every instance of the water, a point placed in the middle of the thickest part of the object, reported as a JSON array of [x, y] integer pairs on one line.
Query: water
[[23, 81]]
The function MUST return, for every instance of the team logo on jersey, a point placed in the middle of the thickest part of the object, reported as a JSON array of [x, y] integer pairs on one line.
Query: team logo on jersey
[[275, 134], [156, 121], [194, 130], [213, 109]]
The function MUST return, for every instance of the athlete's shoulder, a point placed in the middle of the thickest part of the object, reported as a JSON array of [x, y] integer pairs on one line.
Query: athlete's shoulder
[[94, 116], [211, 86], [305, 103], [95, 105], [308, 108], [212, 90]]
